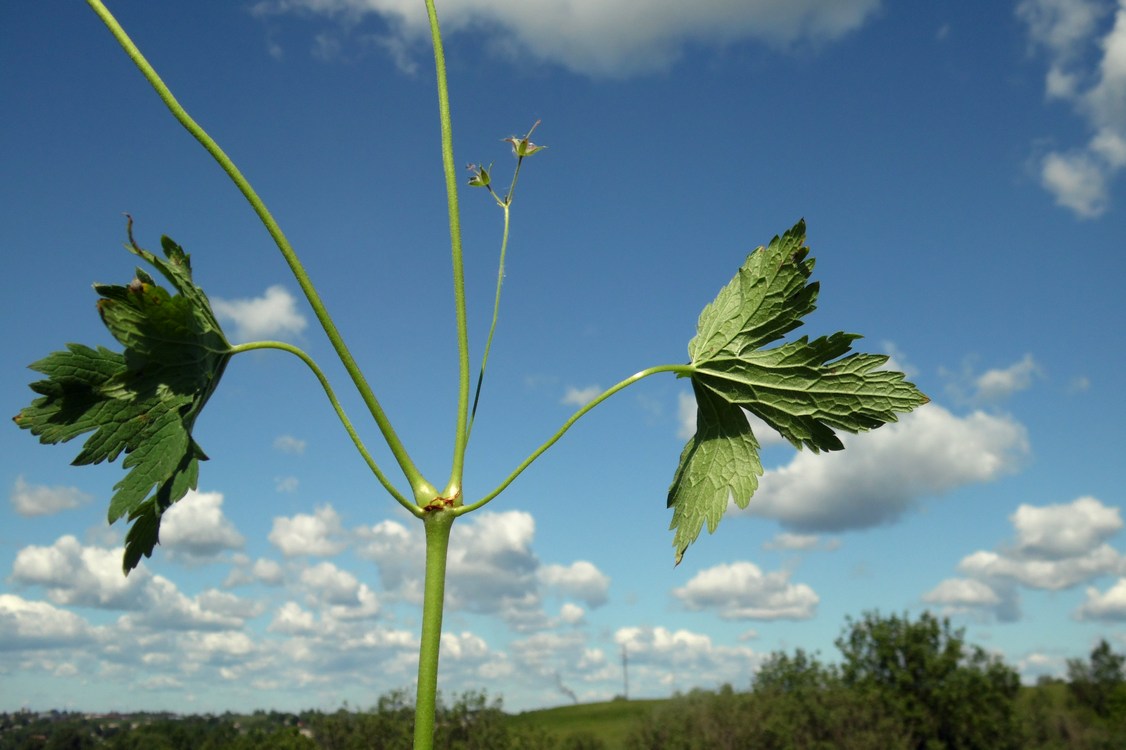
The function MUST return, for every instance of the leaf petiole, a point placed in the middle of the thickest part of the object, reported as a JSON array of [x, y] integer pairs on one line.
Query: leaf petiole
[[411, 506], [680, 370]]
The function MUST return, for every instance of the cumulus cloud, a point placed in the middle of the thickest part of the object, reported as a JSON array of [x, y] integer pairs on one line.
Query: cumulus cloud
[[196, 528], [1085, 43], [882, 474], [998, 384], [799, 542], [87, 576], [41, 500], [1110, 606], [741, 591], [320, 534], [969, 595], [168, 609], [286, 484], [1056, 532], [492, 566], [26, 625], [962, 592], [581, 580], [272, 315], [84, 576], [263, 570], [658, 655], [580, 396], [1038, 573], [608, 38], [289, 444], [1055, 547], [346, 598]]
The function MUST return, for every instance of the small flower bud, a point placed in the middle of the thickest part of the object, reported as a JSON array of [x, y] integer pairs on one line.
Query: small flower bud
[[478, 175], [522, 147]]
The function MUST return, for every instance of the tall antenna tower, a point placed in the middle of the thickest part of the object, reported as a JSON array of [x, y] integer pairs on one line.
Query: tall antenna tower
[[625, 672]]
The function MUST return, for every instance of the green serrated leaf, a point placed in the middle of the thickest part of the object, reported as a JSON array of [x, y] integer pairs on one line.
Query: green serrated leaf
[[720, 463], [764, 302], [803, 389], [142, 402]]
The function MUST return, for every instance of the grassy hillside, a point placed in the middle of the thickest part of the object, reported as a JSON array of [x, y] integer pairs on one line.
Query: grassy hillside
[[609, 722]]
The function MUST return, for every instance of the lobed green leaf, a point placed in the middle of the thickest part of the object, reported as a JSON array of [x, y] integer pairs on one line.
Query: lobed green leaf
[[719, 463], [803, 389], [142, 402]]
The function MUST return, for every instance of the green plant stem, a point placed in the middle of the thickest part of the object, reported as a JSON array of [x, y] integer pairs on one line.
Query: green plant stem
[[681, 370], [506, 206], [340, 413], [461, 432], [496, 312], [421, 487], [438, 524]]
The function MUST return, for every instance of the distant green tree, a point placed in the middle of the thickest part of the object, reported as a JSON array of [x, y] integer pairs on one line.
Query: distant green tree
[[1098, 684], [72, 736], [473, 722], [947, 695]]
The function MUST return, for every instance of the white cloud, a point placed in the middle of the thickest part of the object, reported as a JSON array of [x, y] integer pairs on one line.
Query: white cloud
[[26, 624], [264, 571], [1053, 574], [168, 609], [997, 384], [493, 569], [580, 396], [1077, 181], [741, 591], [286, 484], [289, 444], [580, 579], [398, 552], [967, 595], [346, 598], [74, 575], [291, 619], [41, 500], [686, 411], [881, 474], [962, 592], [671, 658], [788, 541], [272, 315], [1056, 547], [1108, 606], [196, 528], [491, 566], [1069, 31], [81, 576], [572, 614], [319, 534], [327, 583], [603, 37], [1056, 532]]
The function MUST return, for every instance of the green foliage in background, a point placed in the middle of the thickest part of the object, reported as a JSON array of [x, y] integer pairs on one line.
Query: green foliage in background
[[796, 702]]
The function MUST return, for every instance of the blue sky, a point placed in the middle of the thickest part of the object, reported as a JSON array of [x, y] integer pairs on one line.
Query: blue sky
[[959, 166]]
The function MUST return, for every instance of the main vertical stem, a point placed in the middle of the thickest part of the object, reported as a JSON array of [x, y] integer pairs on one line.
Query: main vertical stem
[[438, 525], [461, 432]]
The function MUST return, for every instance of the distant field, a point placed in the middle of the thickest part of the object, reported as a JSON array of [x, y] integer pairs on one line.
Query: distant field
[[609, 722]]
